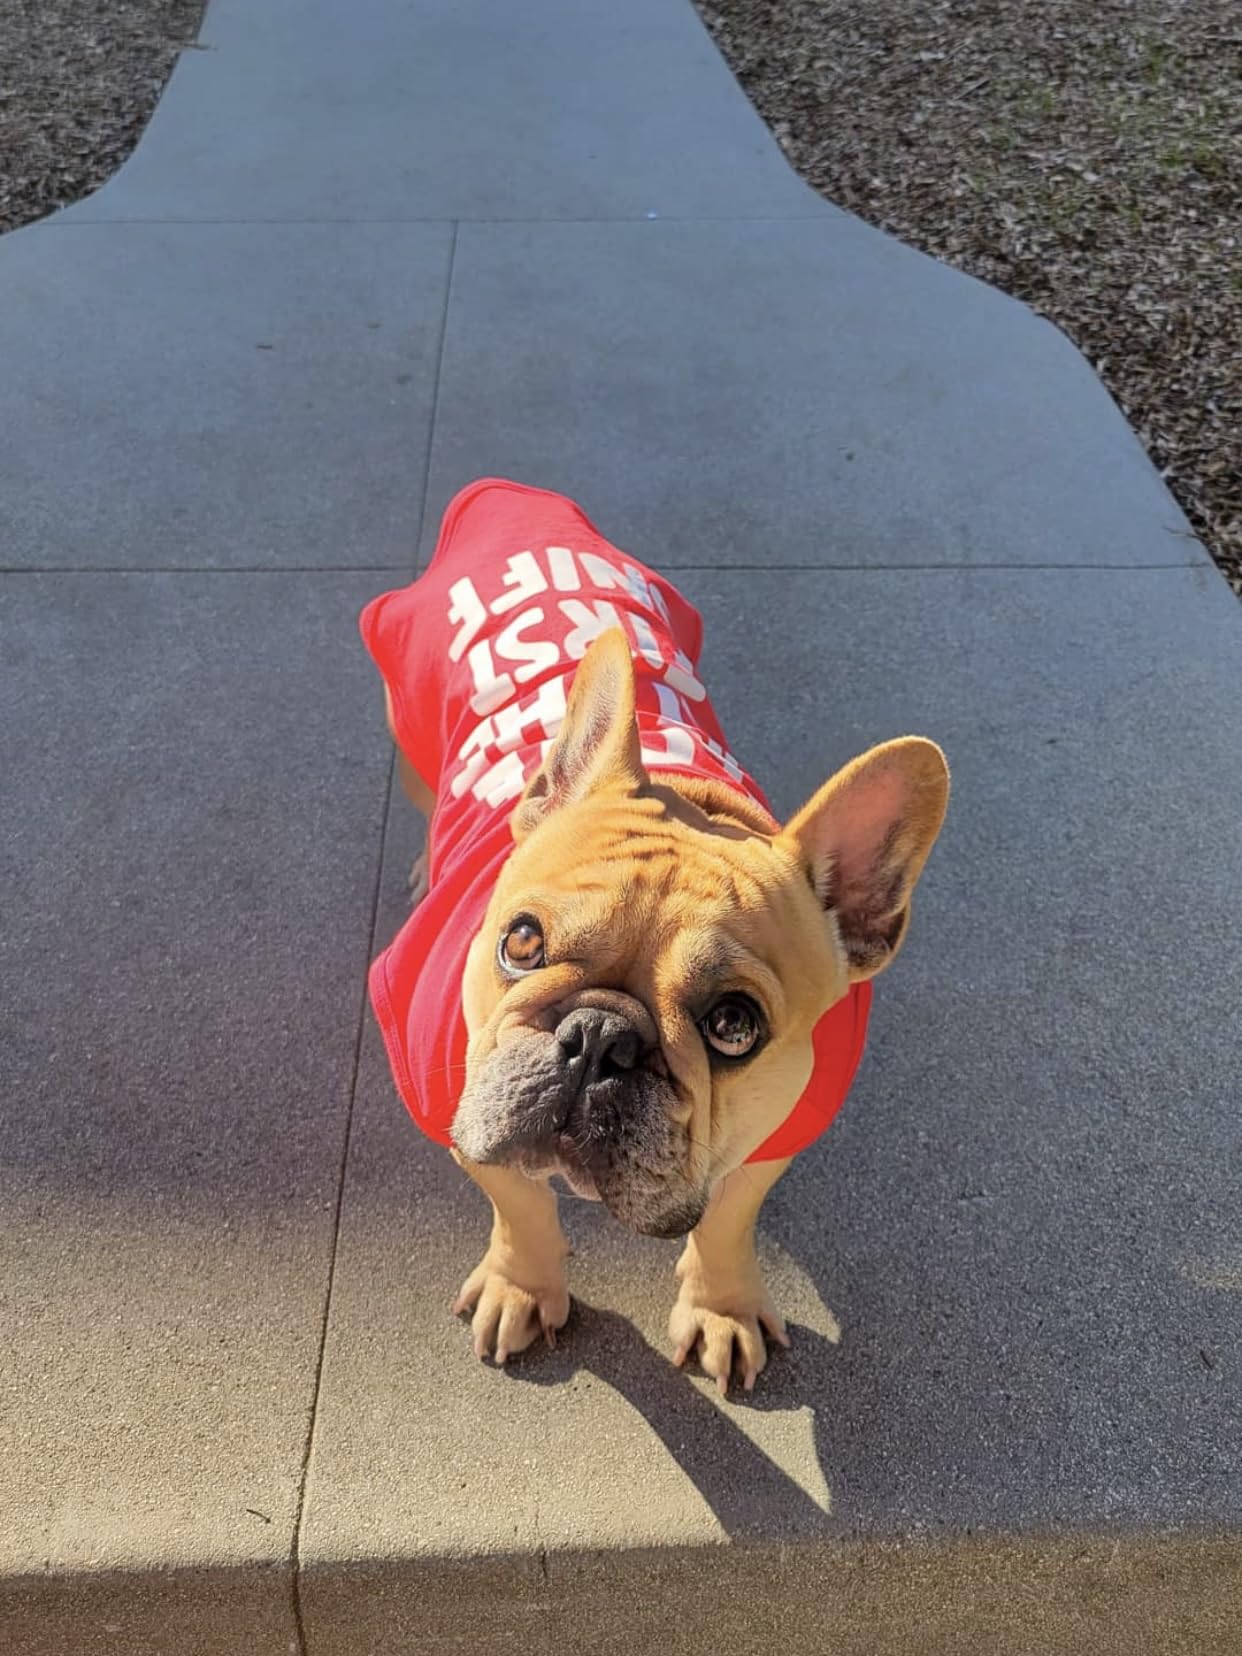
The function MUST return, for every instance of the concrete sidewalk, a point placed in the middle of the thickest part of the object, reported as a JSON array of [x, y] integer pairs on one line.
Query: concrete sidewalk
[[362, 255]]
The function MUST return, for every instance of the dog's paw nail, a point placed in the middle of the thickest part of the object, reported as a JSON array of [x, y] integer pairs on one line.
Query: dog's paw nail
[[502, 1356], [722, 1384], [680, 1355], [748, 1384]]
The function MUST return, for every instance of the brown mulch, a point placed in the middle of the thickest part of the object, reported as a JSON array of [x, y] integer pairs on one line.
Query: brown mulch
[[78, 82], [1083, 155]]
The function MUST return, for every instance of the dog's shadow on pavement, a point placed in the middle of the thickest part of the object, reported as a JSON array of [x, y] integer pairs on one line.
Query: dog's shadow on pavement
[[748, 1492]]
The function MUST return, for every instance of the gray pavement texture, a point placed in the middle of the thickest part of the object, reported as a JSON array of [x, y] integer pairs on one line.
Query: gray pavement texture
[[240, 383]]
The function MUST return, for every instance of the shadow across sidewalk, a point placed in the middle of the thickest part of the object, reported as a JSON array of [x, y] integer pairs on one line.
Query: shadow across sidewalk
[[748, 1492]]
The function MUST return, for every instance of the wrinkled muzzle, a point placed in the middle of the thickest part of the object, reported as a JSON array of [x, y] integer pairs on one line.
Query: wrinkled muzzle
[[589, 1101]]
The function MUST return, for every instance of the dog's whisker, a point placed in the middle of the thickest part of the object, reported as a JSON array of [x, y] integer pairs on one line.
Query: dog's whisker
[[445, 1069]]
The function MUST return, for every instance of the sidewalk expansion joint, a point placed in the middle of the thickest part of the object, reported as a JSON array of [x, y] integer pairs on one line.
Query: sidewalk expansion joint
[[308, 1446]]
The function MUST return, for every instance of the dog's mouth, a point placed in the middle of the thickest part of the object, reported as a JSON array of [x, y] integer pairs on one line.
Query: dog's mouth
[[573, 1167], [575, 1172], [562, 1160], [612, 1136], [663, 1208]]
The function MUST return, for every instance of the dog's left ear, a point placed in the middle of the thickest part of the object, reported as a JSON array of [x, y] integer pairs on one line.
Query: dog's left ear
[[598, 742], [863, 840]]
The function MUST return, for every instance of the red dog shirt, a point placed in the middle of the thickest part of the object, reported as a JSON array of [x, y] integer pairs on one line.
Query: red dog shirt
[[478, 655]]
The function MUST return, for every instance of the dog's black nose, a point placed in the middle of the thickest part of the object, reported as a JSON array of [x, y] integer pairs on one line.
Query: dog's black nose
[[597, 1045]]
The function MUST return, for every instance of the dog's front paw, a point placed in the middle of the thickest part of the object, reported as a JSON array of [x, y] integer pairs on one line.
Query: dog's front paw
[[725, 1324], [511, 1307]]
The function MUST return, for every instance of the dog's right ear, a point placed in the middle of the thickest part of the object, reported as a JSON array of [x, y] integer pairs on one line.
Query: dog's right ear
[[598, 742]]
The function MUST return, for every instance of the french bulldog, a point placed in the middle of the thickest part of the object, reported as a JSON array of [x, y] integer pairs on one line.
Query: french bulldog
[[621, 970]]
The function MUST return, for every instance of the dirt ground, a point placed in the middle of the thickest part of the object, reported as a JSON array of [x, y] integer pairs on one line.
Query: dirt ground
[[78, 82], [1083, 155]]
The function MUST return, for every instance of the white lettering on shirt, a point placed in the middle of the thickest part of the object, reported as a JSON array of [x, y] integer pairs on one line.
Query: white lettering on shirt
[[465, 606], [537, 655], [513, 736], [589, 621], [526, 578]]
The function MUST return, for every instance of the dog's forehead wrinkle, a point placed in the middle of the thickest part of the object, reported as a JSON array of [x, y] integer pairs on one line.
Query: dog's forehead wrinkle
[[654, 870], [636, 900], [708, 961], [621, 838]]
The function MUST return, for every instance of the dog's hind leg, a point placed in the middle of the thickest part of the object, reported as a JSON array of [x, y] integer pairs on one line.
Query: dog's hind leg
[[423, 800]]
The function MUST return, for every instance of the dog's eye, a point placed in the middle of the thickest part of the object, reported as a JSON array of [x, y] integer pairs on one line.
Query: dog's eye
[[732, 1027], [521, 948]]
